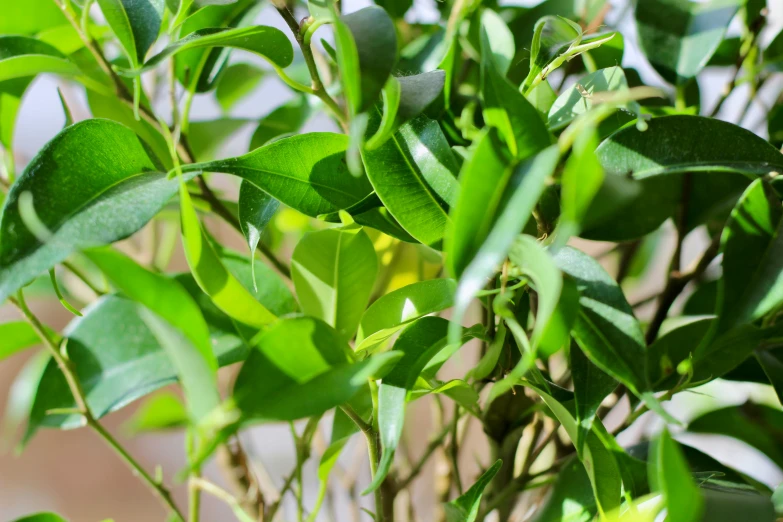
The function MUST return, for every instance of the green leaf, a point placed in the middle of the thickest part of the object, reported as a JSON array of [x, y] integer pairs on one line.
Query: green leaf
[[756, 425], [117, 359], [606, 328], [392, 311], [256, 210], [93, 184], [414, 175], [11, 92], [577, 99], [163, 411], [41, 517], [418, 344], [366, 53], [505, 108], [580, 182], [726, 501], [497, 43], [751, 245], [772, 364], [732, 157], [669, 474], [523, 188], [334, 272], [207, 137], [135, 23], [299, 368], [269, 43], [236, 82], [679, 36], [465, 507], [591, 386], [571, 499], [285, 119], [17, 20], [317, 183], [212, 276], [16, 336]]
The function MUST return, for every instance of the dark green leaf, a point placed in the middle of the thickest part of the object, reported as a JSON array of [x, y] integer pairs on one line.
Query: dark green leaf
[[300, 367], [669, 474], [772, 364], [465, 507], [726, 501], [317, 183], [135, 23], [334, 272], [286, 119], [580, 182], [606, 328], [207, 137], [267, 42], [571, 499], [591, 386], [366, 53], [680, 36], [414, 175], [93, 184]]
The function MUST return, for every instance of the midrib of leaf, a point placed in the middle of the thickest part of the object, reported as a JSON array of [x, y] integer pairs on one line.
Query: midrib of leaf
[[606, 342], [418, 177], [739, 167]]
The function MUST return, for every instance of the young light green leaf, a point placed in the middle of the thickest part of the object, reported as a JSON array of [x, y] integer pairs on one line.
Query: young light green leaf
[[334, 272], [16, 336], [669, 474], [269, 43], [93, 184], [465, 507], [392, 311], [366, 53], [163, 411], [135, 23], [418, 343], [236, 82], [606, 328], [217, 282], [528, 180], [11, 92], [679, 36], [578, 98], [299, 368], [414, 175], [256, 210], [41, 517]]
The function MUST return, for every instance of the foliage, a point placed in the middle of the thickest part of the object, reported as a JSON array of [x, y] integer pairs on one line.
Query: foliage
[[471, 169]]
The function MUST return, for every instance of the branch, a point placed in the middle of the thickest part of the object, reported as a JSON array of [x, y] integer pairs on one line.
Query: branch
[[69, 372]]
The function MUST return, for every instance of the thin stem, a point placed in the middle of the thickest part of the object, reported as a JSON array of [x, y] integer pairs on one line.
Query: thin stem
[[69, 372], [83, 278], [270, 514], [199, 484], [307, 52], [434, 444]]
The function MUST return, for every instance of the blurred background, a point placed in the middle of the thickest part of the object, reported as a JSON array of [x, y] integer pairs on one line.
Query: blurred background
[[76, 475]]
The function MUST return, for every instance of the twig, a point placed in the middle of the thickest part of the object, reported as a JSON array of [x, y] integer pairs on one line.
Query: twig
[[272, 511], [233, 461], [225, 496], [69, 372], [434, 444]]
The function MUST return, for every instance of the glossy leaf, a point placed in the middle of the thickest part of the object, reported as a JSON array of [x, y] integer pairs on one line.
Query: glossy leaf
[[527, 183], [135, 23], [571, 499], [93, 184], [212, 276], [334, 272], [465, 507], [606, 328], [117, 360], [17, 20], [497, 42], [669, 474], [679, 36], [591, 386], [392, 311], [757, 425], [414, 175], [267, 42], [366, 53], [318, 183], [731, 158], [300, 367]]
